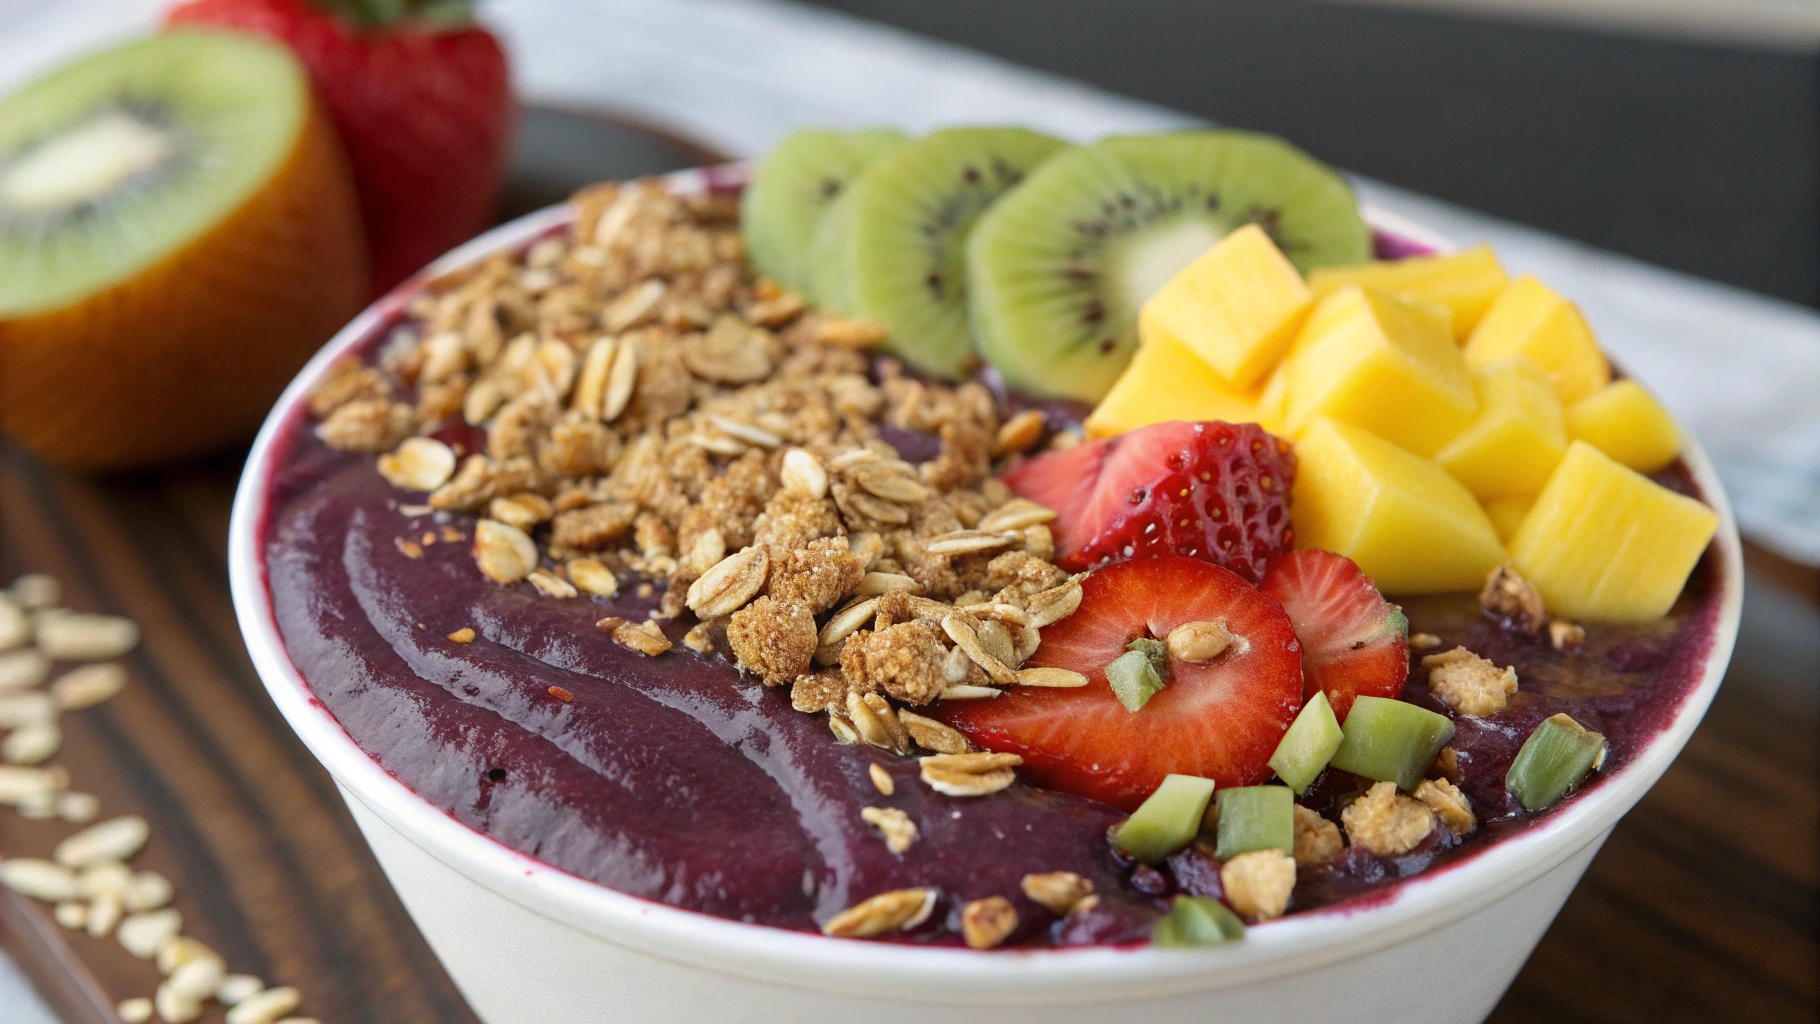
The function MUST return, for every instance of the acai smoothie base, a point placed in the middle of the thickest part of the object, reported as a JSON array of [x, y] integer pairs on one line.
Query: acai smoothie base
[[625, 554]]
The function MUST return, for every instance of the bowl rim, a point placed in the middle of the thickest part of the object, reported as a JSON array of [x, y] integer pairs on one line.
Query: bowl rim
[[807, 960]]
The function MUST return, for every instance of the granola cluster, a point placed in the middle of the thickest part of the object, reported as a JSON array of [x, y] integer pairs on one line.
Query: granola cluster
[[644, 412]]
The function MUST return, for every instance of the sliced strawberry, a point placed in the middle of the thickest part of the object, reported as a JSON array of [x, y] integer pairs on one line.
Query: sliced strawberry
[[1221, 719], [1215, 491], [1354, 643]]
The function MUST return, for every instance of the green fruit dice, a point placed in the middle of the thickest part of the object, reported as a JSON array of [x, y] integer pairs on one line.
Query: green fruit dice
[[1167, 820]]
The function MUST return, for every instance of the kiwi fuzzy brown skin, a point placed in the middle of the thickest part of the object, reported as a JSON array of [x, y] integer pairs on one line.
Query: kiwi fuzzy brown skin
[[186, 356]]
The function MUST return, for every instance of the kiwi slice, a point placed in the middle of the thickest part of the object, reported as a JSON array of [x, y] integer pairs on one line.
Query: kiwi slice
[[892, 248], [111, 162], [795, 184], [1057, 271]]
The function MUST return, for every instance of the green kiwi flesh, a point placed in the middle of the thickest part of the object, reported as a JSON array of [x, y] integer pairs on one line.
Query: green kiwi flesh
[[1058, 268], [109, 163], [789, 191], [892, 248]]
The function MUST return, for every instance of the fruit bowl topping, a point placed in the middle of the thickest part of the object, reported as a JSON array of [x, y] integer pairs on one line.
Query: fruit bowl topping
[[1220, 719], [1215, 491]]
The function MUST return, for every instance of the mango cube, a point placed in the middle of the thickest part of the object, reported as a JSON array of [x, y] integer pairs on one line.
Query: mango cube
[[1464, 282], [1237, 306], [1165, 381], [1607, 543], [1518, 437], [1528, 318], [1507, 514], [1367, 358], [1627, 423], [1412, 528]]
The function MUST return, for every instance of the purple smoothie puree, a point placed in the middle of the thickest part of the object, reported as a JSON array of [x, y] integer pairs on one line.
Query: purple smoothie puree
[[676, 779]]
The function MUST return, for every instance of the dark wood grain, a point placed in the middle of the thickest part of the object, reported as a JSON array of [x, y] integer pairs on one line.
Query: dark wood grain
[[1702, 906]]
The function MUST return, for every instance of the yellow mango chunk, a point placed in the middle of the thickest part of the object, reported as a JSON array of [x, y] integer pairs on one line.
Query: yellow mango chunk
[[1507, 514], [1607, 543], [1164, 381], [1530, 319], [1518, 437], [1412, 528], [1465, 283], [1237, 306], [1627, 423], [1367, 358]]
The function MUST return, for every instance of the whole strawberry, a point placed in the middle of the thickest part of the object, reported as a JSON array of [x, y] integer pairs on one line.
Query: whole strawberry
[[423, 104]]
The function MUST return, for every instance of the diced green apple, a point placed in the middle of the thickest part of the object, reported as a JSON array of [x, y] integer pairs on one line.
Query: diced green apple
[[1391, 740], [1553, 760], [1167, 820], [1255, 818], [1197, 921], [1308, 745]]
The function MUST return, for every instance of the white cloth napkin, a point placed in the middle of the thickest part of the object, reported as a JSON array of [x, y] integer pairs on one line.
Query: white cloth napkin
[[1740, 370]]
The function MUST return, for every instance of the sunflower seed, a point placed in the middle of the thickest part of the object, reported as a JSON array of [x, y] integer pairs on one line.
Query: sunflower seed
[[182, 949], [265, 1007], [114, 839], [104, 912], [18, 785], [144, 934], [35, 591], [71, 915], [1050, 677], [881, 779], [77, 808], [174, 1007], [962, 691], [15, 625], [197, 979], [22, 670], [593, 577], [39, 879], [88, 686], [237, 988], [31, 744], [29, 707], [80, 637]]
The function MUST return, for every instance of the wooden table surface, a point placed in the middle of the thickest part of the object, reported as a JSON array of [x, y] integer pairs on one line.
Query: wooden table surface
[[1701, 907]]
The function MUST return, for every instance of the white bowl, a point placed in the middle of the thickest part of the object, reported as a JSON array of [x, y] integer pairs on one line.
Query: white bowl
[[529, 944]]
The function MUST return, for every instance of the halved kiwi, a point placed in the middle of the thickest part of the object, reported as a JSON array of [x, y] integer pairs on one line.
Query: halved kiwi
[[797, 181], [1058, 268], [891, 249], [178, 232]]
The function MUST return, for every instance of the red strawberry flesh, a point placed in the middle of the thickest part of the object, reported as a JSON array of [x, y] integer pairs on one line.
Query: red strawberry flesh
[[1220, 719], [1354, 643], [1209, 490]]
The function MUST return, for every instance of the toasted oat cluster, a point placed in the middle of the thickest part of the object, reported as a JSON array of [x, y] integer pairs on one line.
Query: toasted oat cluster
[[656, 416]]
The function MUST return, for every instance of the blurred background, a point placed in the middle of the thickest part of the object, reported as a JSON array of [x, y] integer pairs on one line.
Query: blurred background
[[1658, 161]]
